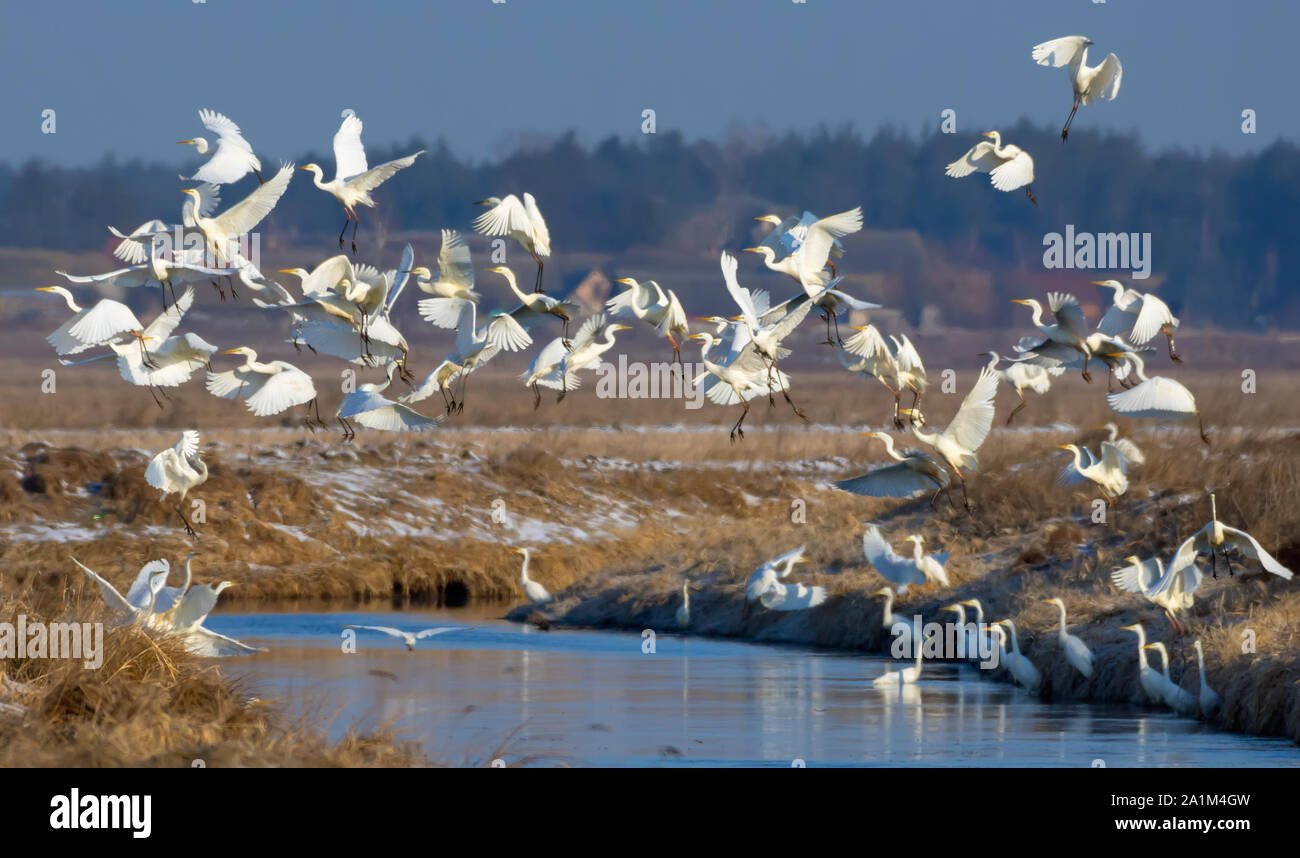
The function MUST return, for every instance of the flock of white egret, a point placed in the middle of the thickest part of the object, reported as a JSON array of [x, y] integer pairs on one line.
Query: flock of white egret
[[344, 310]]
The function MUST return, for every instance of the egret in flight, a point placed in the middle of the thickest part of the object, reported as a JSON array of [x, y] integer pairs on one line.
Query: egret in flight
[[1009, 167], [1155, 397], [177, 470], [654, 305], [1088, 83], [1139, 316], [270, 387], [354, 178], [1217, 538], [409, 638], [912, 473], [233, 158], [521, 221], [966, 432]]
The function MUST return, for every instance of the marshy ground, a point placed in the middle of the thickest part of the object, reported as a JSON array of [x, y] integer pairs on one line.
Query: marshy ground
[[621, 501]]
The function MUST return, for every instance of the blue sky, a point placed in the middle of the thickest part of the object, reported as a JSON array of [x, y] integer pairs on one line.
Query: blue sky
[[128, 77]]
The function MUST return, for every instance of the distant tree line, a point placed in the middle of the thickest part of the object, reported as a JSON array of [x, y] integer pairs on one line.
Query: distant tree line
[[1225, 229]]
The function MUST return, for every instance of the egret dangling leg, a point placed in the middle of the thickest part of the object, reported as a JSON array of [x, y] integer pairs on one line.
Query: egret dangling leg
[[348, 433], [1016, 410], [356, 222], [736, 430], [188, 529], [1029, 192], [1201, 422], [1065, 132], [1173, 353], [217, 286], [259, 177], [344, 230]]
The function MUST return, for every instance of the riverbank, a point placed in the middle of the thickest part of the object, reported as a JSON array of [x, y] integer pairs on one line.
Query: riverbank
[[618, 517]]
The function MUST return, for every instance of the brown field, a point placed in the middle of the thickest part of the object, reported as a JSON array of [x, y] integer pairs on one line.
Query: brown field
[[621, 499]]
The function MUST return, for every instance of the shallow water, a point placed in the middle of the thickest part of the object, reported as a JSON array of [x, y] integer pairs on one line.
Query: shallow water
[[506, 690]]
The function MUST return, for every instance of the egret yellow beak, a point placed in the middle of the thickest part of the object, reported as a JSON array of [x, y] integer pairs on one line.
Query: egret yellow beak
[[626, 280], [750, 250], [1063, 447], [1019, 301], [231, 352], [987, 134], [182, 142], [46, 288]]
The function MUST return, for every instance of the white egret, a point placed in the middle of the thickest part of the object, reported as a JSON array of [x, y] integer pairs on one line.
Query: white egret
[[178, 470], [1140, 316], [1021, 668], [683, 615], [1208, 699], [911, 630], [902, 571], [931, 565], [957, 444], [270, 387], [1152, 683], [766, 336], [533, 306], [790, 233], [912, 473], [90, 326], [780, 566], [409, 638], [440, 380], [1217, 538], [1022, 374], [353, 178], [475, 346], [744, 376], [187, 624], [1076, 651], [1172, 590], [895, 364], [154, 359], [654, 305], [233, 158], [1088, 83], [118, 605], [1009, 167], [1175, 696], [368, 406], [824, 294], [969, 638], [521, 221], [169, 271], [905, 676], [1109, 473], [1156, 397], [776, 596], [557, 364], [1132, 452], [326, 277], [455, 270], [536, 593], [220, 233], [1070, 327]]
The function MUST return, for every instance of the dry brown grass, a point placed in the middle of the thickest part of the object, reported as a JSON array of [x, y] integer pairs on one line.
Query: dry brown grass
[[620, 509], [150, 703]]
